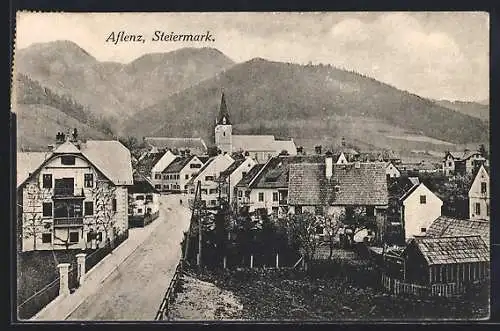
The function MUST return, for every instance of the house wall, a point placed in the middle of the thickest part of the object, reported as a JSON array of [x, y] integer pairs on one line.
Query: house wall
[[470, 163], [477, 197], [416, 215], [268, 202], [33, 206], [157, 169], [187, 172], [448, 165], [392, 171], [237, 174], [224, 138], [140, 206]]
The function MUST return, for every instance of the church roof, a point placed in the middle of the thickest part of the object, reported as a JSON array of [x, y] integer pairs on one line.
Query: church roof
[[223, 117]]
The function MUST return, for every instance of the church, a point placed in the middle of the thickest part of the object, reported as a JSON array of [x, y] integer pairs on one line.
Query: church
[[260, 147]]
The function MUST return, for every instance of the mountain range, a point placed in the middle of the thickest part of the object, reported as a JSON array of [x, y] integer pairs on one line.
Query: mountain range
[[178, 93]]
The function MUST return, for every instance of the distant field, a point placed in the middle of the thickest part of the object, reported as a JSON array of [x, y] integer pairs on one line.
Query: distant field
[[422, 139]]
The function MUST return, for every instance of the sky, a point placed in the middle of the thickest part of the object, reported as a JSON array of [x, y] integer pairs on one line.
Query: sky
[[439, 55]]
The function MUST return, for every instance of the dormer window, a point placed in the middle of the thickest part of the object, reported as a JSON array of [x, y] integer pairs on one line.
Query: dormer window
[[67, 160]]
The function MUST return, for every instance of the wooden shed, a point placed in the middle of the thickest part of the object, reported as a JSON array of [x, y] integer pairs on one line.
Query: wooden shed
[[445, 260]]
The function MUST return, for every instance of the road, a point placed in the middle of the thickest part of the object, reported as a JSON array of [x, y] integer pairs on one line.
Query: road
[[134, 291]]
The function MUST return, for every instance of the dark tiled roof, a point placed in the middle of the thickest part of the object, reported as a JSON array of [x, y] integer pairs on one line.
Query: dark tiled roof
[[450, 250], [147, 163], [274, 174], [250, 175], [141, 184], [195, 145], [226, 173], [366, 185], [445, 226], [178, 164]]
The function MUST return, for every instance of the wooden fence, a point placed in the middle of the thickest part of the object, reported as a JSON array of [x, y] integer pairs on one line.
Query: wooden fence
[[163, 312], [92, 259], [396, 286]]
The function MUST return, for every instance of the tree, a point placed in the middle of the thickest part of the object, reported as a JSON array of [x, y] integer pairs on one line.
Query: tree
[[355, 220], [331, 226], [32, 212], [104, 196], [483, 151], [301, 233]]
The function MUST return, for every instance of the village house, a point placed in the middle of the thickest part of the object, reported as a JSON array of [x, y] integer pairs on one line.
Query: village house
[[232, 176], [242, 189], [178, 173], [144, 201], [392, 171], [207, 176], [419, 207], [445, 261], [479, 195], [260, 147], [73, 196], [341, 191], [462, 163], [158, 179]]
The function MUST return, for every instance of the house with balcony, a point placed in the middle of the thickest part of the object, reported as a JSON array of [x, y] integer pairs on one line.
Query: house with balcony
[[73, 196], [466, 163], [207, 176], [479, 196], [144, 202]]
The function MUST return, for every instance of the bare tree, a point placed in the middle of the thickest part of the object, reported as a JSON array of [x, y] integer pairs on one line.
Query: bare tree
[[32, 212], [104, 194], [331, 225]]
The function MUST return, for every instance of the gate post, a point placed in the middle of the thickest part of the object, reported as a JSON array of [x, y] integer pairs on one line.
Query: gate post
[[63, 279], [80, 259]]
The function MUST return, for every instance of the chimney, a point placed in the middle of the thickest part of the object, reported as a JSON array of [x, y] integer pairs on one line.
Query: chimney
[[328, 165], [300, 150], [317, 149]]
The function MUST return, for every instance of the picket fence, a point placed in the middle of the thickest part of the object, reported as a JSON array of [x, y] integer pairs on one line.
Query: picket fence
[[398, 287]]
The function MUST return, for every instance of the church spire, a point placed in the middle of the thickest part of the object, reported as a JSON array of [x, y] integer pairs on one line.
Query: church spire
[[223, 112]]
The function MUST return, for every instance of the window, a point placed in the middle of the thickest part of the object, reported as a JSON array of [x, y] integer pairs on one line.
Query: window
[[213, 191], [139, 197], [149, 197], [67, 160], [203, 191], [165, 176], [157, 176], [148, 210], [65, 209], [158, 186], [47, 209], [191, 191], [423, 230], [247, 194], [89, 208], [213, 202], [114, 205], [88, 180], [243, 174], [449, 164], [275, 196], [46, 238], [240, 194], [423, 199], [47, 181], [298, 209], [139, 210], [195, 166], [185, 187], [318, 210], [186, 176], [477, 208], [209, 178], [483, 187], [261, 196], [275, 210], [73, 237]]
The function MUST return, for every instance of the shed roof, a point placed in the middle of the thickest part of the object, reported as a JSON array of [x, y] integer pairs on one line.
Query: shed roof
[[451, 250], [445, 226]]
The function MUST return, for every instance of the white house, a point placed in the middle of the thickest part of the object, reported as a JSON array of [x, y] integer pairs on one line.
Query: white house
[[179, 172], [391, 171], [419, 208], [75, 196], [144, 201], [233, 175], [157, 177], [207, 176], [479, 196], [342, 159]]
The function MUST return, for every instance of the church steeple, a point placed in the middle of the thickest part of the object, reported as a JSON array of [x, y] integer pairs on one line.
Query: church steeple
[[223, 118]]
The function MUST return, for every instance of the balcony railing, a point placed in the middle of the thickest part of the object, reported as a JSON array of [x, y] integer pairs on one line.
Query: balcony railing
[[68, 221], [67, 192]]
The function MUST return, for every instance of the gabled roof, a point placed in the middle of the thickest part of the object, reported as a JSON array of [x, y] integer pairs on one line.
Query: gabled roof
[[141, 184], [235, 165], [178, 164], [66, 148], [451, 250], [110, 157], [29, 162], [308, 184], [445, 226], [252, 143], [274, 174], [148, 161], [412, 189], [245, 180], [195, 145], [462, 156]]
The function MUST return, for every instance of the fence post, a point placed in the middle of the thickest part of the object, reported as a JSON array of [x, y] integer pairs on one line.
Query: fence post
[[277, 261], [224, 262], [80, 259], [63, 278], [251, 261]]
